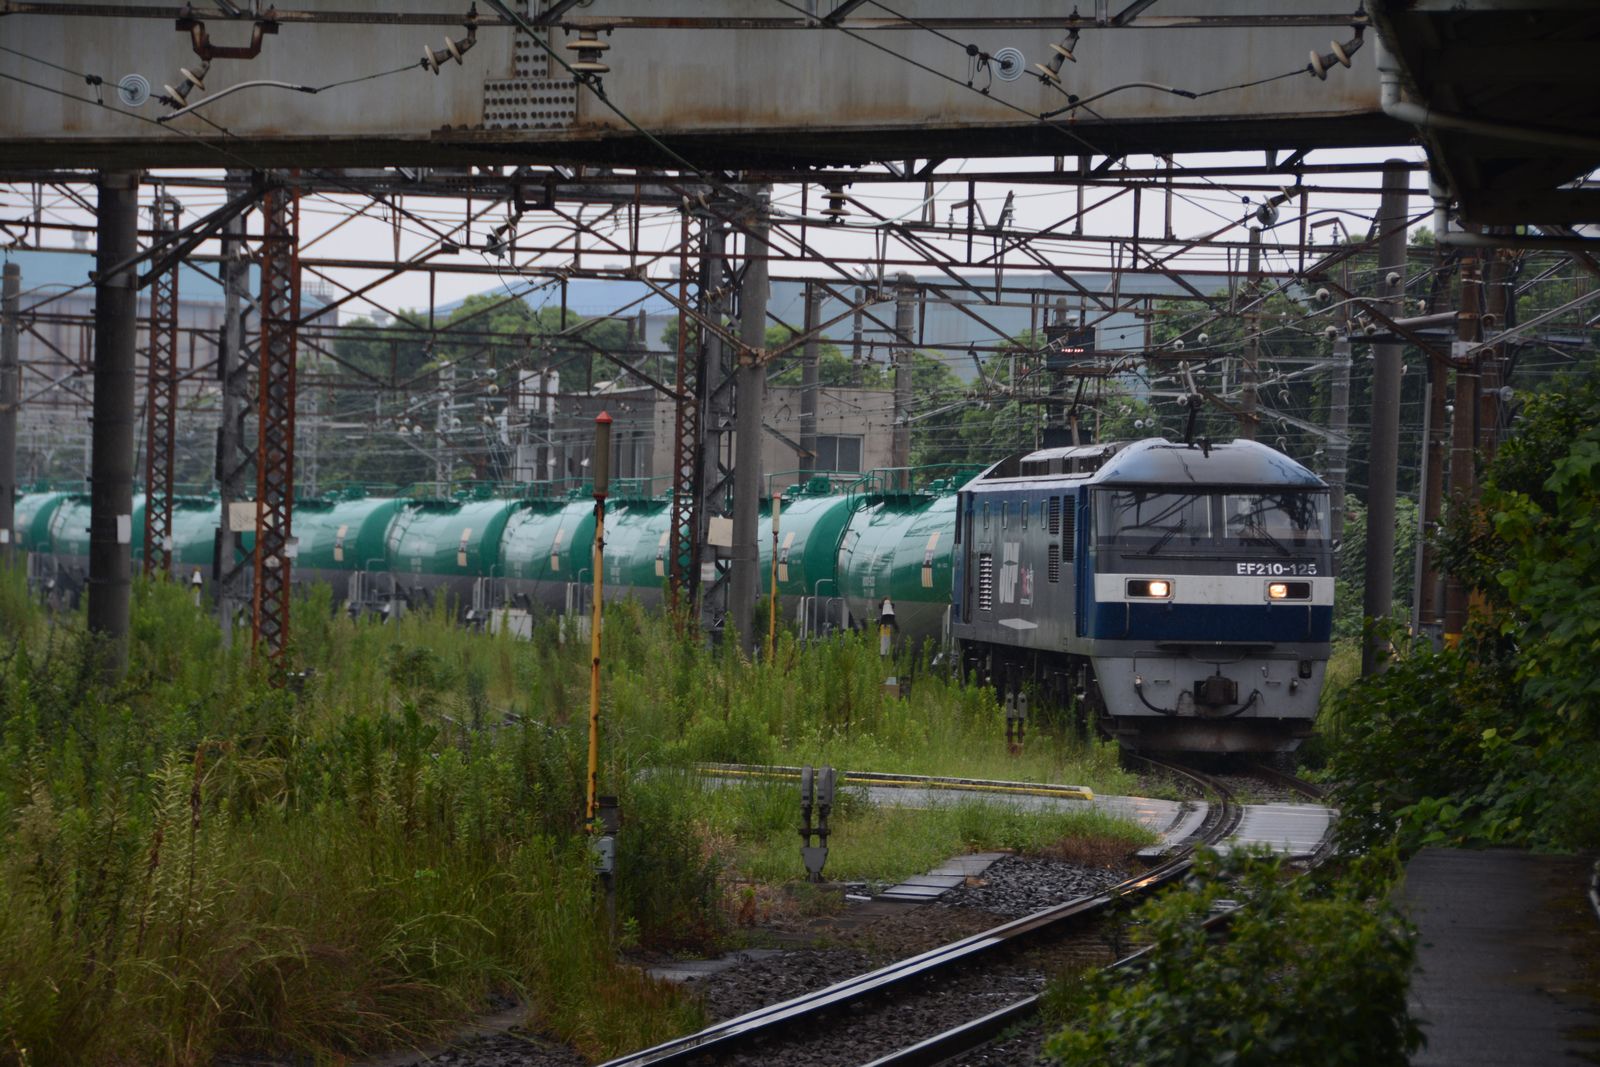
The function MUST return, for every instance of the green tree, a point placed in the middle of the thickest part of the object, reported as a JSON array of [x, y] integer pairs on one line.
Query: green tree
[[1496, 741]]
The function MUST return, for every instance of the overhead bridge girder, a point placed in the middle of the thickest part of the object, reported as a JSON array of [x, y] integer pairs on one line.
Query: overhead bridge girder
[[725, 83]]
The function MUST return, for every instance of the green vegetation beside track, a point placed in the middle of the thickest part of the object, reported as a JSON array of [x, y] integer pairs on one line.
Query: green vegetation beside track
[[196, 863]]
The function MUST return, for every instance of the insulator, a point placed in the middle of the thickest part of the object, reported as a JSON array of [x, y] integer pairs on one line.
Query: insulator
[[193, 77], [1319, 65], [1203, 338], [1330, 332], [836, 208], [591, 53], [1339, 53], [1050, 70], [1178, 344], [1323, 295]]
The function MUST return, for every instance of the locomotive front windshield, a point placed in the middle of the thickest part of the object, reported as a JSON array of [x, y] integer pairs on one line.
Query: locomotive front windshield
[[1136, 517], [1295, 520], [1152, 521]]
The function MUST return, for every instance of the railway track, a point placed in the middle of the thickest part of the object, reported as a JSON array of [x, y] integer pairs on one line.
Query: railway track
[[989, 979], [956, 1044]]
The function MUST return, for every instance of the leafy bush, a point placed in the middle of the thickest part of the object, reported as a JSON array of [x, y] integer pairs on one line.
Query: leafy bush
[[1308, 974], [1495, 742]]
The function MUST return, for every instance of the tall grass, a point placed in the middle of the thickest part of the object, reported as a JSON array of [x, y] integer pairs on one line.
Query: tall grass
[[195, 862]]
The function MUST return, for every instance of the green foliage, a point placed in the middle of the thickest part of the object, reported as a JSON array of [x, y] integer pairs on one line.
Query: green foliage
[[1494, 742], [1351, 565], [195, 862], [1313, 975]]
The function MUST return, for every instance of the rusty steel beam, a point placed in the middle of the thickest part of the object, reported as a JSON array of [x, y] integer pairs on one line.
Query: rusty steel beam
[[280, 313], [161, 402]]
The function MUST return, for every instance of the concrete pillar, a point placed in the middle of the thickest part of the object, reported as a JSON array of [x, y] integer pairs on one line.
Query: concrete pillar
[[810, 379], [111, 474], [1462, 430], [1248, 419], [10, 397], [749, 402], [905, 318], [1384, 448]]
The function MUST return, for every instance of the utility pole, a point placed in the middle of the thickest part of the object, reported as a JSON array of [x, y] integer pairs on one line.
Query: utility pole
[[810, 380], [1428, 595], [10, 399], [857, 329], [235, 475], [1462, 435], [905, 317], [443, 464], [1252, 342], [1383, 453], [1339, 416], [750, 399], [1497, 295], [116, 319]]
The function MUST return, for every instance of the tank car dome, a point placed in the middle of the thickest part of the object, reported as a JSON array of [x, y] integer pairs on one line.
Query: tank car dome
[[1156, 461]]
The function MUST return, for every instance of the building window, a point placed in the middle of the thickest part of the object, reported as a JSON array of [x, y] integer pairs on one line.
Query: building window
[[835, 453]]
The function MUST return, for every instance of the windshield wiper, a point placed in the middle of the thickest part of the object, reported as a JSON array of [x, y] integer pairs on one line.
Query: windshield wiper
[[1168, 536], [1257, 532]]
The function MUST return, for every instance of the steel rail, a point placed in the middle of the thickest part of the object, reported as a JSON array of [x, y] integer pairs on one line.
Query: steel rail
[[972, 1035], [728, 1036]]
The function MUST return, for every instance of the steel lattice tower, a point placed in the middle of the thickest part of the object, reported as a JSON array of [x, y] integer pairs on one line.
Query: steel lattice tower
[[280, 311], [683, 547], [161, 400]]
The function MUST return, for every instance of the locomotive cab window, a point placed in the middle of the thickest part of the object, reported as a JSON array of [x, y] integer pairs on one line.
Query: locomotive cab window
[[1296, 520], [1151, 520]]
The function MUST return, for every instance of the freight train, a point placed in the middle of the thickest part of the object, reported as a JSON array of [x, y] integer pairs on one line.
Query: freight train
[[1179, 595]]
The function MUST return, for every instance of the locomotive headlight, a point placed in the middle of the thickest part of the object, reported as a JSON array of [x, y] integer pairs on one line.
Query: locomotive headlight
[[1154, 588], [1278, 591], [1288, 591]]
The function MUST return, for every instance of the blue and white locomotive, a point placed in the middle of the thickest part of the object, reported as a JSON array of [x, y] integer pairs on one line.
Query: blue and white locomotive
[[1182, 593]]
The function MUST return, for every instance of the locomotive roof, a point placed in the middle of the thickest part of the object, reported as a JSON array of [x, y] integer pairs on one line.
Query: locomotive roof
[[1155, 461], [1238, 462]]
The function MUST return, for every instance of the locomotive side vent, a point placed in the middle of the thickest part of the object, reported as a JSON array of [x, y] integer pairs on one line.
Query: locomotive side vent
[[985, 581], [1068, 533], [1055, 515], [1053, 564]]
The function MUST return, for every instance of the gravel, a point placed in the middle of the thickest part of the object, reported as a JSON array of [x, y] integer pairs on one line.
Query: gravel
[[513, 1048], [1019, 885]]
